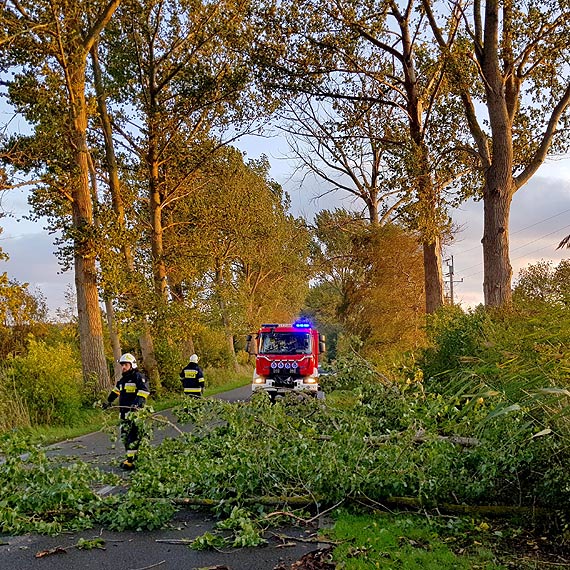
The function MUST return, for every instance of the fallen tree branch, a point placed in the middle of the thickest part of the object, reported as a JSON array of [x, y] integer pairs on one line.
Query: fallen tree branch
[[311, 539], [482, 510], [493, 511], [300, 519], [297, 501], [421, 437], [151, 566]]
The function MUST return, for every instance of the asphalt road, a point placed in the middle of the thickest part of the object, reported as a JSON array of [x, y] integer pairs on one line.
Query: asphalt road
[[164, 549]]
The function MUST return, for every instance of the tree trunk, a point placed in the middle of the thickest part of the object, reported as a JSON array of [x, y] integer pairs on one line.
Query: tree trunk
[[89, 314], [497, 269], [499, 184], [115, 344], [188, 347], [433, 275], [224, 315], [427, 192], [155, 205], [145, 339], [150, 364]]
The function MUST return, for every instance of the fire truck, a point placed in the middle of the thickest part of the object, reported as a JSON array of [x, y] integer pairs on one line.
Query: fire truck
[[286, 358]]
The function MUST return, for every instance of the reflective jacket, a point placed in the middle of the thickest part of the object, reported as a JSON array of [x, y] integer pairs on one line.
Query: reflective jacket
[[132, 391], [192, 379]]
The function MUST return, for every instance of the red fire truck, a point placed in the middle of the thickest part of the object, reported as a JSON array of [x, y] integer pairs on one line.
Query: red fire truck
[[286, 358]]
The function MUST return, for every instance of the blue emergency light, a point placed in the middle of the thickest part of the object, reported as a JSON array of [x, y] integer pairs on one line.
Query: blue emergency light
[[302, 325]]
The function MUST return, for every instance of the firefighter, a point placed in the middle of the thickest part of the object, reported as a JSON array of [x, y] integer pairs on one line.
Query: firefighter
[[132, 391], [192, 378]]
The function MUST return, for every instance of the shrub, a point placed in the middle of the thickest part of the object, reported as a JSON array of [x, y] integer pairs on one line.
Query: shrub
[[453, 335], [170, 362], [48, 381]]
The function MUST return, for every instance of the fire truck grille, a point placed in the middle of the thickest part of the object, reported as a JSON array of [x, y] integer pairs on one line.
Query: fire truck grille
[[284, 382]]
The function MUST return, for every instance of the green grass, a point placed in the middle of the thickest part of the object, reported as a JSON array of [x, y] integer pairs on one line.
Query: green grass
[[406, 541], [88, 421]]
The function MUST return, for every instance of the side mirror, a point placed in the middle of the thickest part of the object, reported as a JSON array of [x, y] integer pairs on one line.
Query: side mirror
[[322, 345]]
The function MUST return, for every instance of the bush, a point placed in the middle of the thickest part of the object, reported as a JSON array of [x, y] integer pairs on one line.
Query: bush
[[47, 382], [212, 348], [170, 362], [453, 335]]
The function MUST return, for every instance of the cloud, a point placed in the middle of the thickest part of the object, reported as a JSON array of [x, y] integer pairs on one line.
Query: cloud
[[540, 218], [32, 260]]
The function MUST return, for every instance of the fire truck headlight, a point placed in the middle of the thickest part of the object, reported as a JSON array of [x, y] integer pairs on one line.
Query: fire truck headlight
[[259, 380], [309, 380]]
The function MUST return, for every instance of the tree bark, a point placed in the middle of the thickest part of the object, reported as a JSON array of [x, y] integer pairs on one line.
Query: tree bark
[[146, 343], [115, 344], [426, 190], [433, 275], [502, 97], [155, 197], [497, 269], [89, 314]]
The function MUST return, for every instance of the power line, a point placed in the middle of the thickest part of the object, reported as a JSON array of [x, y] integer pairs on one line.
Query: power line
[[523, 245], [522, 229], [516, 258]]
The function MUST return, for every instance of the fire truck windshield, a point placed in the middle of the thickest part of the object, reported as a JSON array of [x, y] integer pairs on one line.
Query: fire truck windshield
[[285, 343]]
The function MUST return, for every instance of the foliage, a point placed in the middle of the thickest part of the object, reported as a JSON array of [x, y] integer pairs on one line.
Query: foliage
[[512, 367], [244, 528], [39, 495], [358, 267], [453, 335], [46, 382], [375, 437], [543, 283], [21, 313], [134, 513]]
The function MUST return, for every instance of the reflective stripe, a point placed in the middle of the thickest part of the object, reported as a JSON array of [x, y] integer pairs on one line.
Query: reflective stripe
[[186, 390], [131, 453], [130, 387], [143, 393], [116, 391], [190, 373]]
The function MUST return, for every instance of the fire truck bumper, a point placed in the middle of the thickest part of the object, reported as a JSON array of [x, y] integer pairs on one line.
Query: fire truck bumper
[[275, 391]]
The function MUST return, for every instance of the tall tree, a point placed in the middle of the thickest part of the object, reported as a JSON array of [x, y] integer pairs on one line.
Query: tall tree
[[357, 269], [181, 66], [238, 248], [42, 38], [347, 146], [519, 54], [373, 53], [131, 290]]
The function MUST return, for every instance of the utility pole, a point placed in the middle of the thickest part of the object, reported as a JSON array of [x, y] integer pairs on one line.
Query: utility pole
[[450, 274]]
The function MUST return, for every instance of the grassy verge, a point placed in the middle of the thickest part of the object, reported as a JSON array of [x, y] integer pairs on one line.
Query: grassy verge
[[418, 542], [401, 541]]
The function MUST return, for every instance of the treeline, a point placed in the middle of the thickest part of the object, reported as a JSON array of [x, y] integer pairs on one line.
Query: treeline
[[132, 107]]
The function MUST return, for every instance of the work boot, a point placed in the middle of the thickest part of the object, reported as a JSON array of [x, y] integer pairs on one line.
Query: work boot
[[128, 464]]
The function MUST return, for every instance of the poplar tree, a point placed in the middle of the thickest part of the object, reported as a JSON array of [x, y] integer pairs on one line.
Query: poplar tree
[[510, 71], [183, 83], [374, 56], [47, 43]]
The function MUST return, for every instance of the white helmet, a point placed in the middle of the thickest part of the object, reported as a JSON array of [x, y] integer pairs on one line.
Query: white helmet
[[194, 358], [128, 358]]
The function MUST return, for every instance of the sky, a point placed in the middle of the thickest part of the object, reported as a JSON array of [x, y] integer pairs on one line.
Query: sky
[[540, 218]]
